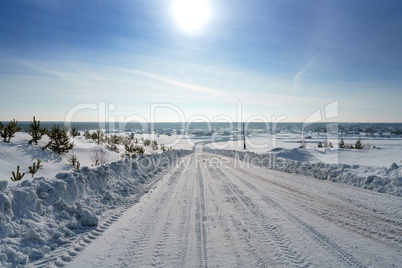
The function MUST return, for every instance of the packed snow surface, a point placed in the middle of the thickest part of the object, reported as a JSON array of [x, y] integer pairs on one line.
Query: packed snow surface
[[211, 212]]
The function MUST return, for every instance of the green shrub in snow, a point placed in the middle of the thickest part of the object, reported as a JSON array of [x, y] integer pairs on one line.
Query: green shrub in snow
[[17, 176], [35, 131], [35, 167], [59, 140], [8, 131]]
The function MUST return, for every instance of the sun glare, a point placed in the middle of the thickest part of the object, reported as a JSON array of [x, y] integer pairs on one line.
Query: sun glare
[[191, 15]]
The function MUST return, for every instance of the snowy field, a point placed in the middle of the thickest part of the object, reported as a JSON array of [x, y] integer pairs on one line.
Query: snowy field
[[272, 205], [380, 152]]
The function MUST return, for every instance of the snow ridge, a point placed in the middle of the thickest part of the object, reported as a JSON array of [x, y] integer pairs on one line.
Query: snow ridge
[[380, 179], [38, 216]]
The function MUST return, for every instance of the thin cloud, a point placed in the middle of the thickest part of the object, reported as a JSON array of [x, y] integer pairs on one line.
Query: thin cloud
[[174, 82], [300, 74]]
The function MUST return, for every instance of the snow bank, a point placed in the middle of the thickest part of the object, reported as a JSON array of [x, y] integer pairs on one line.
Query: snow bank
[[39, 215], [381, 179]]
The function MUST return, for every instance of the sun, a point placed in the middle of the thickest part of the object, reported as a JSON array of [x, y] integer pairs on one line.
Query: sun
[[191, 15]]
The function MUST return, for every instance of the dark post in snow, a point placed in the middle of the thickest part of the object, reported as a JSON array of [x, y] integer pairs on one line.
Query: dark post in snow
[[244, 138]]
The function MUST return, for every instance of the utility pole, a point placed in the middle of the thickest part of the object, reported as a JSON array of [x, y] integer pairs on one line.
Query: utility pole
[[244, 138]]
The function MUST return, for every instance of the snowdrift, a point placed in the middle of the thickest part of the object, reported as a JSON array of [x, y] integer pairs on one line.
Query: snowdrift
[[380, 179], [39, 215]]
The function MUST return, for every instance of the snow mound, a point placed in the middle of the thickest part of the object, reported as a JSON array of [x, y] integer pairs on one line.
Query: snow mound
[[293, 154], [43, 214], [380, 179], [393, 166]]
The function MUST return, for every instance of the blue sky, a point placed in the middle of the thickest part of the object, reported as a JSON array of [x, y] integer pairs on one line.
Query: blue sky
[[278, 58]]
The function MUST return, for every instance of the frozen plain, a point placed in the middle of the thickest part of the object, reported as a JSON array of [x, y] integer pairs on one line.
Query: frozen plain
[[210, 211]]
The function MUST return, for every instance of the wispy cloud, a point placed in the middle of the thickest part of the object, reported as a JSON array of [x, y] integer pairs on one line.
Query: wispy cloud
[[299, 75], [173, 82]]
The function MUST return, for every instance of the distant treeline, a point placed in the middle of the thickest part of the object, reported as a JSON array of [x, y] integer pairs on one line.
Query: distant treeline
[[135, 126]]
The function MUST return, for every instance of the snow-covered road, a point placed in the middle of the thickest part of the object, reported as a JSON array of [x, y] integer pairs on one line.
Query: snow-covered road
[[212, 211]]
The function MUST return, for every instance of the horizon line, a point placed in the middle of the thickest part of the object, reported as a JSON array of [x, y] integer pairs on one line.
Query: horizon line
[[241, 122]]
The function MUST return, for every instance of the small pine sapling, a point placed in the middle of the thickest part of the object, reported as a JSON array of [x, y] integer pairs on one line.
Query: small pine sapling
[[35, 167], [132, 150], [8, 131], [87, 134], [325, 145], [74, 132], [154, 145], [4, 132], [146, 142], [35, 131], [163, 147], [112, 147], [341, 144], [59, 141], [17, 175], [76, 166], [97, 136], [330, 145], [114, 139], [140, 150], [100, 134], [73, 159], [358, 145], [13, 129], [319, 144]]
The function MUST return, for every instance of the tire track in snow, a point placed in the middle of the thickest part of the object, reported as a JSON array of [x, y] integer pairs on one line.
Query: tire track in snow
[[184, 224], [65, 253], [326, 242], [387, 227], [226, 232], [156, 246], [358, 217], [166, 234], [172, 249], [200, 220], [269, 234], [251, 248], [229, 242], [256, 253]]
